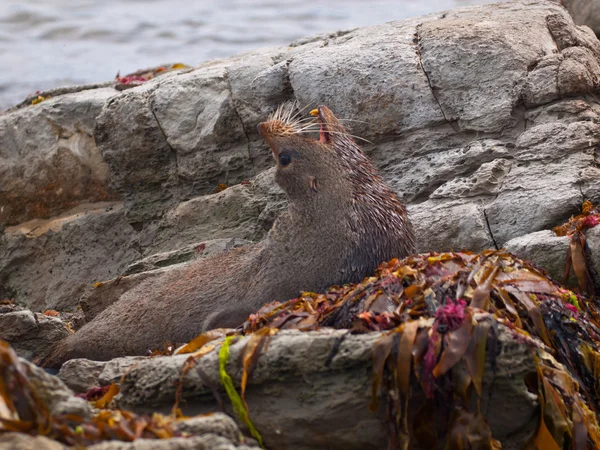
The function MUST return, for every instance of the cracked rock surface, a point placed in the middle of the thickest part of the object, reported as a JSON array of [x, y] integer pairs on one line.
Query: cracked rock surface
[[484, 119], [297, 399]]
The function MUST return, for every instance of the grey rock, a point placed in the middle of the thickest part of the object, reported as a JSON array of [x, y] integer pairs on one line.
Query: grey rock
[[32, 335], [593, 247], [54, 393], [544, 249], [584, 12], [245, 211], [17, 324], [49, 161], [50, 263], [142, 165], [38, 343], [206, 442], [462, 79], [82, 374], [114, 369], [447, 226], [292, 384], [219, 424], [549, 251], [21, 441], [230, 213], [184, 254]]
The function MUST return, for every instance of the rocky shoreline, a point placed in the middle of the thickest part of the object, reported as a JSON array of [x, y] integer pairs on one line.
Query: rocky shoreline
[[485, 120]]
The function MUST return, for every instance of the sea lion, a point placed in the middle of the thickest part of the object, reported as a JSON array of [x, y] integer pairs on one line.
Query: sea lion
[[342, 221]]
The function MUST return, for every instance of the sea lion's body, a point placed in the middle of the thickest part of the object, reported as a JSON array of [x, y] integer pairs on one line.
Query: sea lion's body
[[341, 223]]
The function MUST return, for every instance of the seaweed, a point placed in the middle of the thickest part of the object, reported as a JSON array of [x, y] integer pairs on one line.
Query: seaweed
[[576, 257], [22, 410]]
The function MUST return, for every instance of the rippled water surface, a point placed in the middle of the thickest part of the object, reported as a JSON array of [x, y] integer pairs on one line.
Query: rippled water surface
[[48, 43]]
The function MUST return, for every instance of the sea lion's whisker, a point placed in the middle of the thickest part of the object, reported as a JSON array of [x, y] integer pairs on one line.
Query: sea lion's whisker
[[309, 128], [301, 110], [355, 120], [335, 132]]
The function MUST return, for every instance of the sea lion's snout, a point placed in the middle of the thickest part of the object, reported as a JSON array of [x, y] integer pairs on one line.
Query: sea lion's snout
[[265, 130], [262, 128]]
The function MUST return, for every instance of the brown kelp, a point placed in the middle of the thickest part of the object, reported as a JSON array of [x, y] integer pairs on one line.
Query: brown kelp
[[22, 410], [576, 256]]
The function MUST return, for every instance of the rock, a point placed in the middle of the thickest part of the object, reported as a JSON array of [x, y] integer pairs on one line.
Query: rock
[[245, 211], [230, 213], [54, 393], [21, 441], [17, 324], [593, 244], [584, 13], [31, 334], [456, 223], [206, 442], [49, 264], [214, 432], [82, 374], [49, 161], [549, 251], [292, 384], [184, 254], [544, 249], [218, 424]]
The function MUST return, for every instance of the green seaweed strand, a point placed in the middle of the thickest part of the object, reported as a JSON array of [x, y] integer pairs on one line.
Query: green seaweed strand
[[236, 400]]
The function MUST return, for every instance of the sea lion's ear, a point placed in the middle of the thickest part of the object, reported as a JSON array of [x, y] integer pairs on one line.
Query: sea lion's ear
[[312, 183], [330, 125]]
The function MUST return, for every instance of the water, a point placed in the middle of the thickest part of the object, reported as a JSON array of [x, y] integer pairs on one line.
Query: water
[[49, 43]]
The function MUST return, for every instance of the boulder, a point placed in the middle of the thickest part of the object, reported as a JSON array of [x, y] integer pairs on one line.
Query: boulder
[[301, 379], [50, 263], [584, 12], [549, 251], [49, 161], [21, 441], [31, 334], [80, 375], [205, 442], [57, 397]]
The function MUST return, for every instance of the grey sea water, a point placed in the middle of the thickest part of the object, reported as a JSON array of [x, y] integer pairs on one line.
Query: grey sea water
[[49, 43]]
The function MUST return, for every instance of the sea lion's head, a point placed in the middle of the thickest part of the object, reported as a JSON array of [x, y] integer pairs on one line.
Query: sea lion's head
[[308, 167]]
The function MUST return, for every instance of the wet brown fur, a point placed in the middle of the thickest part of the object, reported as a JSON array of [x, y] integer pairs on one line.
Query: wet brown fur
[[342, 221]]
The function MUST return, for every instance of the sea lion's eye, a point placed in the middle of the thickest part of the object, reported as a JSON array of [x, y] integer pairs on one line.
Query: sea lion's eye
[[284, 159]]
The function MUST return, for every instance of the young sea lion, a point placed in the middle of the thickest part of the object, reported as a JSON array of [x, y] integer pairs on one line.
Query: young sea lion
[[342, 221]]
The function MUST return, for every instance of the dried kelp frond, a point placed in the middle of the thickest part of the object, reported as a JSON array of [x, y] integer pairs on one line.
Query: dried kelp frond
[[589, 218], [576, 257], [22, 410], [143, 75]]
